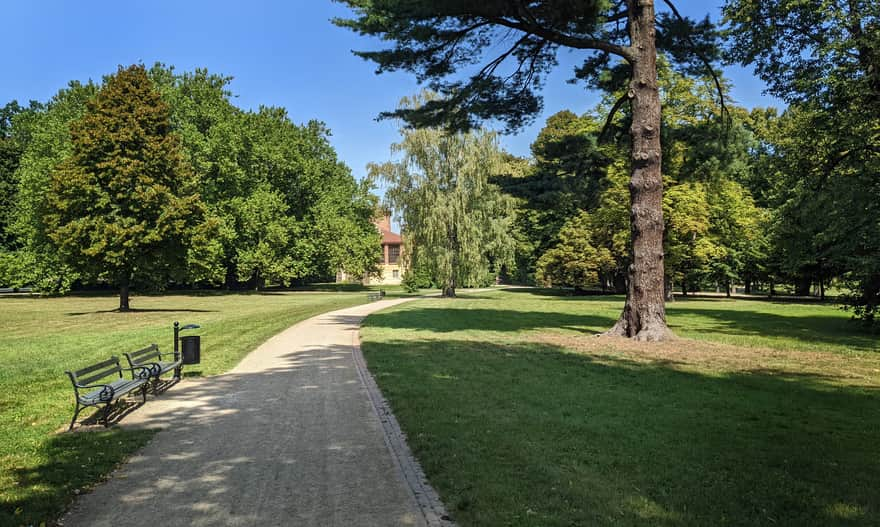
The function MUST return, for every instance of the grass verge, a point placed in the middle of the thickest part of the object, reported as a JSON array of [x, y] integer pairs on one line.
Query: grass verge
[[40, 470], [766, 415]]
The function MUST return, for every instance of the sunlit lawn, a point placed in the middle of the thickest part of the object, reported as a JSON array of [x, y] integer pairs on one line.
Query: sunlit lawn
[[766, 414], [41, 338]]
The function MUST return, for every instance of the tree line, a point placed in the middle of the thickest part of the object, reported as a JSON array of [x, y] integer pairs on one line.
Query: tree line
[[153, 179], [750, 197]]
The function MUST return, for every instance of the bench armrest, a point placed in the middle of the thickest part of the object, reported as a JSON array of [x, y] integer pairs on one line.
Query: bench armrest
[[146, 370], [107, 391]]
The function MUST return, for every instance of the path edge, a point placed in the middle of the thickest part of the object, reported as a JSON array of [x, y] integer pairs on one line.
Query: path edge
[[429, 503]]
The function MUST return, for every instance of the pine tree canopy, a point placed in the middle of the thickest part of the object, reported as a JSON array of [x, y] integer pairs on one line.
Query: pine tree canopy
[[488, 59]]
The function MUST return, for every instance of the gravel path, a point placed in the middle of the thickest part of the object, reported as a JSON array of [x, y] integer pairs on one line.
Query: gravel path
[[291, 436]]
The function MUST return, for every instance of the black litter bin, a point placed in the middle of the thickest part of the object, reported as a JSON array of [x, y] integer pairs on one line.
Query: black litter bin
[[191, 346]]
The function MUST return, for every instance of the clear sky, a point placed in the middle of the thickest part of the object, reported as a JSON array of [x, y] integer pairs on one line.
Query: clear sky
[[280, 53]]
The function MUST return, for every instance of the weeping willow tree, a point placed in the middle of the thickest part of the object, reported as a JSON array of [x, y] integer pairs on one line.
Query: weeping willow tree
[[456, 224]]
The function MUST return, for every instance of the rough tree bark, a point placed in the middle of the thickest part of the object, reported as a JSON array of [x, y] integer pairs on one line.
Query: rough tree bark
[[644, 314]]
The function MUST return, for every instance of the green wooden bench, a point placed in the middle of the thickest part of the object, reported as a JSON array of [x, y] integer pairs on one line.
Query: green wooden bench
[[98, 393], [157, 362]]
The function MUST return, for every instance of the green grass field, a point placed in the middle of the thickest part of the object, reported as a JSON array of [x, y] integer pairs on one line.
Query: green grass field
[[763, 414], [40, 470]]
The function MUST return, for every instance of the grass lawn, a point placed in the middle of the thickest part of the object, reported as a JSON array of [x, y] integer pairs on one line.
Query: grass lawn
[[763, 414], [40, 470]]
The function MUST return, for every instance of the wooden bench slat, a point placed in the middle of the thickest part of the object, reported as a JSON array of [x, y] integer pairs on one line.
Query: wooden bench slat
[[149, 351], [85, 381], [120, 387], [96, 367], [154, 359], [111, 390]]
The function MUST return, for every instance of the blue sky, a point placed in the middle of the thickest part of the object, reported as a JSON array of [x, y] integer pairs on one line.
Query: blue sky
[[281, 53]]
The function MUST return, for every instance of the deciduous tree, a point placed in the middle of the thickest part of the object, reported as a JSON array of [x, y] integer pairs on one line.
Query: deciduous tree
[[456, 223], [822, 57], [122, 206]]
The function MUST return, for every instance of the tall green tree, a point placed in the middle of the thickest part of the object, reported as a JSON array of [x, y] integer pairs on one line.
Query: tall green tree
[[13, 142], [566, 176], [257, 156], [456, 223], [575, 261], [48, 144], [122, 207], [823, 58], [518, 44]]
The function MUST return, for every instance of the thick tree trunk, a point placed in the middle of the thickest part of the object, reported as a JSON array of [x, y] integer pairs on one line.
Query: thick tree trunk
[[123, 296], [644, 314], [802, 287], [231, 279], [448, 290], [620, 283], [748, 286]]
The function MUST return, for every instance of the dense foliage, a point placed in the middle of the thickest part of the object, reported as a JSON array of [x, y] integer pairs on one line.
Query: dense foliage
[[275, 204], [823, 58], [456, 223], [123, 208]]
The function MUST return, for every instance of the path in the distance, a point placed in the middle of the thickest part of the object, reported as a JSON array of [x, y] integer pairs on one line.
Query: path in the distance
[[291, 436]]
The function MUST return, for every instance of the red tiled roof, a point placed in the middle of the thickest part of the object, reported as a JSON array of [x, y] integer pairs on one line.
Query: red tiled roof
[[390, 238]]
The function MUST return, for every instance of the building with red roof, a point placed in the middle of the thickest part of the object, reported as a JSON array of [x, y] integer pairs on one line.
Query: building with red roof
[[390, 263]]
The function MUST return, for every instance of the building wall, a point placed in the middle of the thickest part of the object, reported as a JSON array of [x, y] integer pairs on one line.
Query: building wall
[[390, 273]]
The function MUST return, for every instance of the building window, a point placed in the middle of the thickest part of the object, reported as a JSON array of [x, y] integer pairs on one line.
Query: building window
[[395, 274], [393, 253]]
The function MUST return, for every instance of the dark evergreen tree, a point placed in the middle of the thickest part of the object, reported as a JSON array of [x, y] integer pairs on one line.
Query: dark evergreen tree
[[123, 205]]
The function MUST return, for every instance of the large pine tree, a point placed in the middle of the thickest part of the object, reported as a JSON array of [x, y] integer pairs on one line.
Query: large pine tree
[[123, 204], [442, 42]]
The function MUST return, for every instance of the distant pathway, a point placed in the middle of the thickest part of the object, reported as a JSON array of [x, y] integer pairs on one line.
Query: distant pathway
[[292, 436]]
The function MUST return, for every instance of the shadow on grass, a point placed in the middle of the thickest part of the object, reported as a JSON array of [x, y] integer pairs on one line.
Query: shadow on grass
[[442, 320], [533, 435], [333, 288], [71, 462], [567, 294], [809, 329], [135, 310]]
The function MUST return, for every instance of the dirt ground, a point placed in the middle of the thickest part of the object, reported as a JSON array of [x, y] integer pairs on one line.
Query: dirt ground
[[861, 370]]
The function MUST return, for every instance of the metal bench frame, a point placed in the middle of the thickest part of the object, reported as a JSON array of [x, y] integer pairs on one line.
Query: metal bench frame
[[376, 295], [85, 378], [141, 359]]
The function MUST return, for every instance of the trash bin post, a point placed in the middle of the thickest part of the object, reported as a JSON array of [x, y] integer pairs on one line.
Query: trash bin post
[[190, 343], [176, 349]]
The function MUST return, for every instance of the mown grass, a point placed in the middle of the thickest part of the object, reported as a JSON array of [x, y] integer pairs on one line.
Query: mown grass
[[521, 417], [41, 470]]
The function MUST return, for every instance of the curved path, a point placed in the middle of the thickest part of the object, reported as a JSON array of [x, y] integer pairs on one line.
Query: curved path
[[296, 434]]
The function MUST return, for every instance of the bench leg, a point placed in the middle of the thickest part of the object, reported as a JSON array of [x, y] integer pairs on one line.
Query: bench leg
[[146, 386], [75, 413], [107, 414]]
